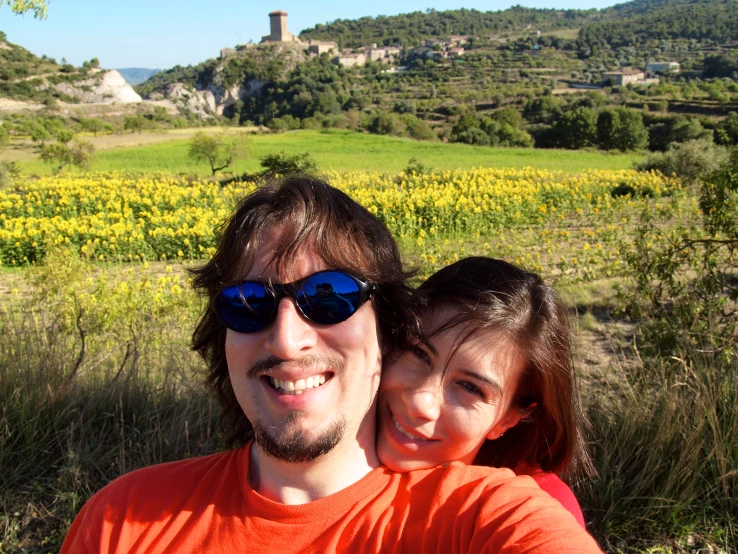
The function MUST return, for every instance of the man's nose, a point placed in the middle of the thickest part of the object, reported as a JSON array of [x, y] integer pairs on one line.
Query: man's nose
[[423, 402], [290, 335]]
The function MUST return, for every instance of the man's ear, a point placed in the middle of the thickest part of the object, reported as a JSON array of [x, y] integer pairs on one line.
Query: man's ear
[[510, 420]]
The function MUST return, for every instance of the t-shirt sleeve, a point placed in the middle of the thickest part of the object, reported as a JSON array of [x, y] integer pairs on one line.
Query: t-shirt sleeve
[[518, 517], [553, 485], [75, 542]]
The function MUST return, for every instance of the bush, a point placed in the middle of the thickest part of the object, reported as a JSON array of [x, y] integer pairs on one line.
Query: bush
[[284, 164], [473, 135], [689, 160], [419, 129], [91, 390], [284, 123], [667, 453], [385, 123]]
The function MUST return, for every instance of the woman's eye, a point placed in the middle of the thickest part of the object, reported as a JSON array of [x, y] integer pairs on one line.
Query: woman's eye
[[472, 388], [418, 352]]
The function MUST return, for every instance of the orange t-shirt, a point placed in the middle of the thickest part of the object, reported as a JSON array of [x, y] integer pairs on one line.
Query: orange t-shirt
[[207, 505], [553, 485]]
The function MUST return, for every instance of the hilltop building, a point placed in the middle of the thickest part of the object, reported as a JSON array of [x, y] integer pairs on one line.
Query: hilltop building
[[318, 47], [278, 27]]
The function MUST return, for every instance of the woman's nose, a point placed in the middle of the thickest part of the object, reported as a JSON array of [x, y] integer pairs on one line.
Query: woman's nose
[[423, 403], [290, 335]]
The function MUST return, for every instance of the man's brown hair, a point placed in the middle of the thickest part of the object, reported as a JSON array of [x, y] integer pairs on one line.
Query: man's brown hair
[[309, 213]]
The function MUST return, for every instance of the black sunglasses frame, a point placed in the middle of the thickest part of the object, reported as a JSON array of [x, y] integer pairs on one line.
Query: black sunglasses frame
[[278, 291]]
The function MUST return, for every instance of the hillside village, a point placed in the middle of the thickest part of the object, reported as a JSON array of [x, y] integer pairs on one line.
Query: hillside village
[[523, 77]]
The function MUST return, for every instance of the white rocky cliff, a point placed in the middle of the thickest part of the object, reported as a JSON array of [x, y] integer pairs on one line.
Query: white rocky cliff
[[105, 87]]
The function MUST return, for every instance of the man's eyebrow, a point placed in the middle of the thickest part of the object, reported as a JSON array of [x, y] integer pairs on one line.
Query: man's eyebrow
[[491, 382]]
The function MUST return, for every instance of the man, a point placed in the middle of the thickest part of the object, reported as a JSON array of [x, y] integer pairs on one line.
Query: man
[[306, 293]]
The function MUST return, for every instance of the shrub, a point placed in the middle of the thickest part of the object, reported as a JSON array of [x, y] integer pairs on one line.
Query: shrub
[[385, 123], [667, 453], [284, 164], [689, 160], [284, 123], [419, 129]]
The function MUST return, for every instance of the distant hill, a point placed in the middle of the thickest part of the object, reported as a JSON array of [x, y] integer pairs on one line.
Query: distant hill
[[644, 22], [136, 75], [412, 28]]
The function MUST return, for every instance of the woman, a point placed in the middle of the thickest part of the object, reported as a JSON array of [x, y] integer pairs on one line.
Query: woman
[[491, 381]]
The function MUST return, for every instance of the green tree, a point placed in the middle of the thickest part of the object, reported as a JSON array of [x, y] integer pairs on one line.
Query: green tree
[[220, 150], [577, 128], [38, 7], [727, 131], [67, 151], [39, 134], [94, 125], [4, 135], [632, 133], [134, 123], [621, 129]]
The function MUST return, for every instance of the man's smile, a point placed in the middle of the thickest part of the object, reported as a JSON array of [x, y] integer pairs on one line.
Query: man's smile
[[300, 385]]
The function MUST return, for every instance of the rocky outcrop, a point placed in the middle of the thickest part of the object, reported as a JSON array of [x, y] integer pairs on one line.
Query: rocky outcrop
[[214, 95], [105, 87], [199, 102]]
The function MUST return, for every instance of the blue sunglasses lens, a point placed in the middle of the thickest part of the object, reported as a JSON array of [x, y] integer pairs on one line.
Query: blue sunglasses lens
[[246, 308], [329, 297], [326, 298]]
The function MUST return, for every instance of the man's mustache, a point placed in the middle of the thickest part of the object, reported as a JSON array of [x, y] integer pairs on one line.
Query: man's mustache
[[311, 361]]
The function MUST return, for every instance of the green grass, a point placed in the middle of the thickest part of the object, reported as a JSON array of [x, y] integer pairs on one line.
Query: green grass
[[351, 151]]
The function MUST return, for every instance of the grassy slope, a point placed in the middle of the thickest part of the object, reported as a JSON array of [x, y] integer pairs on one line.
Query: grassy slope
[[347, 151]]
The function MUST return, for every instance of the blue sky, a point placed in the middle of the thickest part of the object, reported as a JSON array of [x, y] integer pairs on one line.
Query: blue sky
[[164, 33]]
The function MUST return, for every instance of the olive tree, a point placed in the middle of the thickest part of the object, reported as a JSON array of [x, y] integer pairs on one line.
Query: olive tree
[[67, 151], [219, 150]]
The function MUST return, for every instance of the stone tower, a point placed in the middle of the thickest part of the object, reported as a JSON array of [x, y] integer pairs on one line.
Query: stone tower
[[278, 26]]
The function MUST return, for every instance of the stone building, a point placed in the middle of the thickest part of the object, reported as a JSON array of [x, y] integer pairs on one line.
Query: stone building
[[624, 76], [318, 47], [663, 67], [278, 28], [350, 60]]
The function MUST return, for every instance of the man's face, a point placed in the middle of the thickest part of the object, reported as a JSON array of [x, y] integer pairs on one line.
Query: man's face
[[342, 362]]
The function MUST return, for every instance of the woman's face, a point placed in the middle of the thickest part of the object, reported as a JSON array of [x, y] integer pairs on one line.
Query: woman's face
[[439, 401]]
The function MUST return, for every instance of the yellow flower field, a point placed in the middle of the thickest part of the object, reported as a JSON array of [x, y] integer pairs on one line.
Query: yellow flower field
[[119, 217]]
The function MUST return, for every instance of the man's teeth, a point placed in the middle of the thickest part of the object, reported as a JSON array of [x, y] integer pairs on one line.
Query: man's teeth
[[297, 387], [404, 431]]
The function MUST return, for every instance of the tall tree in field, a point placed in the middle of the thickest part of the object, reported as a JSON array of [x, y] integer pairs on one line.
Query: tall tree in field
[[621, 129], [38, 7], [220, 150], [67, 151]]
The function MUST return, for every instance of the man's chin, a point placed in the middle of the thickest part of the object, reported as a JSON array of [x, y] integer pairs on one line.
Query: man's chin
[[298, 445]]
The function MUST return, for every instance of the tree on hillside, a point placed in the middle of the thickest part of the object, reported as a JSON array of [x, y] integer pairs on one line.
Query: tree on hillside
[[220, 150], [38, 7], [134, 123], [67, 151]]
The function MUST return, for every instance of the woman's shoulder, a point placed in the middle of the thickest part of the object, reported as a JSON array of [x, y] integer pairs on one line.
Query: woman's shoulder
[[553, 485]]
